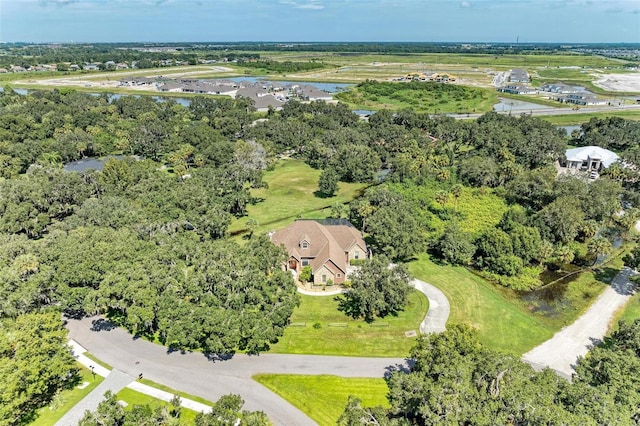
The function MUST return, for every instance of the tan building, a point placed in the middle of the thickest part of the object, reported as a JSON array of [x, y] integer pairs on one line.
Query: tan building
[[327, 246]]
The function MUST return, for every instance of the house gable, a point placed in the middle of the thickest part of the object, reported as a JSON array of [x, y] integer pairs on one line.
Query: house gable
[[324, 246]]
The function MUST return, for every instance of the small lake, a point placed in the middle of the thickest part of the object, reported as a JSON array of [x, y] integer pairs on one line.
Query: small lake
[[89, 164], [515, 105], [569, 129], [18, 91]]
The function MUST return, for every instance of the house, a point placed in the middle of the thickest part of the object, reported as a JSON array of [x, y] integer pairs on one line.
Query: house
[[518, 75], [589, 159], [560, 88], [518, 89], [326, 245], [584, 98], [310, 93]]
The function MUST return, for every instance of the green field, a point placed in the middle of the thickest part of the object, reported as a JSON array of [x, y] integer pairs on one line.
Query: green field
[[338, 334], [323, 398], [420, 97], [290, 195], [578, 118], [502, 322], [66, 399]]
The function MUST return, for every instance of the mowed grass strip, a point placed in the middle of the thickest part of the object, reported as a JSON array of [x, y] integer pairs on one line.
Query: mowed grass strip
[[67, 399], [321, 336], [176, 392], [503, 323], [323, 398], [132, 398], [292, 194]]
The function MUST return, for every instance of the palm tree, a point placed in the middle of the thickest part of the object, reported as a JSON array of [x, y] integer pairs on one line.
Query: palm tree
[[599, 246], [456, 191]]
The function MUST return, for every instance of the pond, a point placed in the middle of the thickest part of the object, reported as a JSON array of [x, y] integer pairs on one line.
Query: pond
[[89, 164], [569, 129], [508, 105]]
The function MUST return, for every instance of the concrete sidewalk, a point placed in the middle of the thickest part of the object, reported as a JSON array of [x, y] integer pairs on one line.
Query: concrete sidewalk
[[115, 382], [113, 379]]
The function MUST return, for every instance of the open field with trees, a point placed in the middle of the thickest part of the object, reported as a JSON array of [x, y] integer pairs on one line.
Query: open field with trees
[[291, 192], [419, 97]]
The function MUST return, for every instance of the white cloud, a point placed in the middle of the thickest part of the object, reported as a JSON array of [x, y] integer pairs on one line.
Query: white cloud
[[465, 3]]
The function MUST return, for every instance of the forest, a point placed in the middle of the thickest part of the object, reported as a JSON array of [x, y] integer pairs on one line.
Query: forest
[[146, 242]]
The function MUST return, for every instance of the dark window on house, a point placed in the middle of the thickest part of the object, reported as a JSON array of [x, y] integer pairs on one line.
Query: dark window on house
[[338, 275], [305, 244], [356, 254], [324, 278], [305, 262]]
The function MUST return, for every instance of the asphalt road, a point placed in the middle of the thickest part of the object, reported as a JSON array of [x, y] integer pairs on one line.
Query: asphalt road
[[561, 352], [555, 111], [194, 373]]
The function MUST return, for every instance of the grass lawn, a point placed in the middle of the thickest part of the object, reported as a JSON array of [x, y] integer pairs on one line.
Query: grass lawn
[[290, 195], [323, 398], [578, 118], [176, 392], [132, 398], [97, 361], [506, 320], [338, 334], [502, 322], [67, 399], [630, 313]]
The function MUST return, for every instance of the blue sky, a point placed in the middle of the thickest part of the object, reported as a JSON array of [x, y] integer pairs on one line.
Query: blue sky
[[320, 20]]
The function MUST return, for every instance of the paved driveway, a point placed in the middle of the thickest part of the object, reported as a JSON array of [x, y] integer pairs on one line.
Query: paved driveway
[[561, 352]]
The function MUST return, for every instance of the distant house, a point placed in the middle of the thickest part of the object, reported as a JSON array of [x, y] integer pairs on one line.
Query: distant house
[[589, 159], [310, 93], [560, 88], [518, 89], [327, 246], [518, 75], [584, 98]]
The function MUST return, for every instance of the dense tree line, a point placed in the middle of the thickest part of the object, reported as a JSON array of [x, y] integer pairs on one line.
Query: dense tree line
[[281, 66], [455, 380], [35, 363], [227, 411]]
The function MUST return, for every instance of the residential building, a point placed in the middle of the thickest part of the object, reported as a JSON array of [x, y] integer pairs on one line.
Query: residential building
[[518, 75], [589, 159], [518, 89], [327, 246]]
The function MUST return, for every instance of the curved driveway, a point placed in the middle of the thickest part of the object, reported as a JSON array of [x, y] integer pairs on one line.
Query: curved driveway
[[196, 374], [561, 352]]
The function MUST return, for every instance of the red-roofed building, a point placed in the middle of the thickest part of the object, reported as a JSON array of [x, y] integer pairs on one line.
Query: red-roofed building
[[327, 246]]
